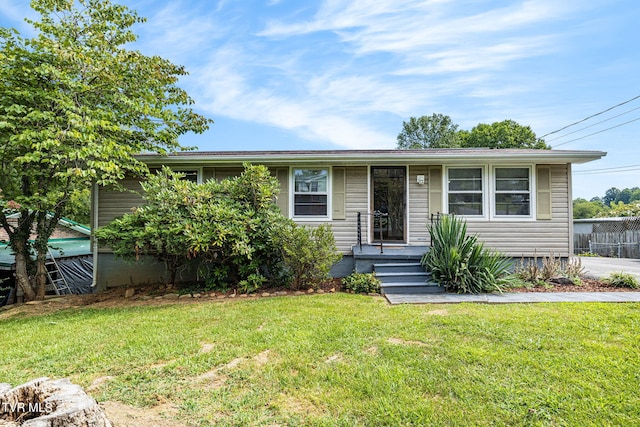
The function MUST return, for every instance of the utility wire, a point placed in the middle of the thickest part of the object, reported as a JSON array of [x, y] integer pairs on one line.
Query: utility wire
[[590, 126], [611, 171], [591, 116], [608, 169], [595, 133]]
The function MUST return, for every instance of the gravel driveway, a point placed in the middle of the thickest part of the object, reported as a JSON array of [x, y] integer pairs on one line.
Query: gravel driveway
[[599, 267]]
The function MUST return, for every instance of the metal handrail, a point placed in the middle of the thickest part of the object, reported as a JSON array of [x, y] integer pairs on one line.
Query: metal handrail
[[375, 214]]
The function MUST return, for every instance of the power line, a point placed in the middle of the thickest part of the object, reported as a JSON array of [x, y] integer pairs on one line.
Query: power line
[[592, 116], [608, 169], [595, 133], [595, 124], [612, 171]]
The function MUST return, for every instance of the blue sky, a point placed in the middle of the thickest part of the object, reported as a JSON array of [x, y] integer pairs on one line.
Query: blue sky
[[332, 74]]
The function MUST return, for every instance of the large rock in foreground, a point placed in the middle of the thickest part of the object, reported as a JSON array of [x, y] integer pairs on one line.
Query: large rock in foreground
[[49, 403]]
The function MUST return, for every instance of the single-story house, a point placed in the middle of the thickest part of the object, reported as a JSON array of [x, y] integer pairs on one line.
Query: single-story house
[[519, 201]]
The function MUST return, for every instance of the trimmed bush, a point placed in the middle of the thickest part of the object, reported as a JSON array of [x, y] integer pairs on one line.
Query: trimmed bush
[[362, 283], [308, 255], [459, 262]]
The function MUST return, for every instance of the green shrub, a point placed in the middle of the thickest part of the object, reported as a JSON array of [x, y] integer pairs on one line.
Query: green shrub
[[459, 262], [622, 280], [362, 283], [308, 255], [230, 231]]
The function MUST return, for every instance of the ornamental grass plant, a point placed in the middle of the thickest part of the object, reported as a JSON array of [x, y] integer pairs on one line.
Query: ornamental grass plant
[[459, 262]]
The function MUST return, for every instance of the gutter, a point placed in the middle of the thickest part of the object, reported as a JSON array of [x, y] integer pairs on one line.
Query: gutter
[[94, 225], [362, 157]]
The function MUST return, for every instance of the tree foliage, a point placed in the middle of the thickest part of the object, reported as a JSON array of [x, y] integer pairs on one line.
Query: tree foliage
[[76, 105], [231, 230], [583, 208], [610, 196], [435, 131], [438, 131], [504, 134], [622, 209], [615, 203]]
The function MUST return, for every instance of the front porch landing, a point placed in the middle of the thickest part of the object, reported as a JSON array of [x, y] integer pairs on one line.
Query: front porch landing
[[370, 254]]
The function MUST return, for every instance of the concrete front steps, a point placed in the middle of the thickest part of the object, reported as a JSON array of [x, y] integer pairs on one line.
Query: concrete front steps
[[405, 278]]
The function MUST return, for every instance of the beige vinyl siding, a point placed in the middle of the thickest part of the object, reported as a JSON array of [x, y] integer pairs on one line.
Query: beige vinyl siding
[[418, 206], [112, 204], [223, 173], [528, 238], [208, 173], [345, 231]]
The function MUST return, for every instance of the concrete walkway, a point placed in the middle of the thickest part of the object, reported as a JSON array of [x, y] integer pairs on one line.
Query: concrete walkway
[[595, 267], [514, 297]]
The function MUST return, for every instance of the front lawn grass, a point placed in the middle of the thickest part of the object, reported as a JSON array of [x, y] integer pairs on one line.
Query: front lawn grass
[[345, 360]]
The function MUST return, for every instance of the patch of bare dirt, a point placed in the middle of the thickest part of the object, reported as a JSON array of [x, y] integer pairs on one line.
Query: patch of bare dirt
[[334, 358], [399, 341], [207, 348], [262, 358], [148, 295], [296, 405], [122, 415], [214, 379], [441, 312], [373, 350], [99, 382]]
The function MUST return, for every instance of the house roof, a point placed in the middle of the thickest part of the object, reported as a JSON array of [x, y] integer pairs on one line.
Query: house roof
[[64, 224], [63, 244], [60, 248], [355, 157]]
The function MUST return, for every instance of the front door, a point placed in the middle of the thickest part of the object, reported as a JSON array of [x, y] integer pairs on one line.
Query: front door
[[389, 203]]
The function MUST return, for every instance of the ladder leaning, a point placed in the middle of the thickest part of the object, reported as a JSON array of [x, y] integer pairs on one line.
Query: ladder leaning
[[55, 276]]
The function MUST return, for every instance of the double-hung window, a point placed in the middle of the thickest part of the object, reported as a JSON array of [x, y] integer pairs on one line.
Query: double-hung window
[[311, 192], [512, 191], [465, 191]]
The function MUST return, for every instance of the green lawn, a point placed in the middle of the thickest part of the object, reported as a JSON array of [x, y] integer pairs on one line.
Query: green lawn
[[345, 360]]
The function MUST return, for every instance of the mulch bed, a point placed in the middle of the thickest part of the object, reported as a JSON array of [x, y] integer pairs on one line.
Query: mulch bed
[[588, 285]]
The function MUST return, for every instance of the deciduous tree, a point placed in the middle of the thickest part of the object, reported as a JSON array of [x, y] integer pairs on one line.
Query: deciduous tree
[[504, 134], [76, 105], [434, 131]]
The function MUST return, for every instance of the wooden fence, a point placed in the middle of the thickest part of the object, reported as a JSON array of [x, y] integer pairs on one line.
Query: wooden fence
[[611, 237]]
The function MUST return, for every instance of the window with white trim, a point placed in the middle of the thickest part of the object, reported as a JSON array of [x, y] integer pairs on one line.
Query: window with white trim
[[189, 175], [465, 191], [311, 192], [512, 191]]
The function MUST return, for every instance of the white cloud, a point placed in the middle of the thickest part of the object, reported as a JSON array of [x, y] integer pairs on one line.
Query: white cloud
[[179, 32], [392, 59], [226, 90]]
